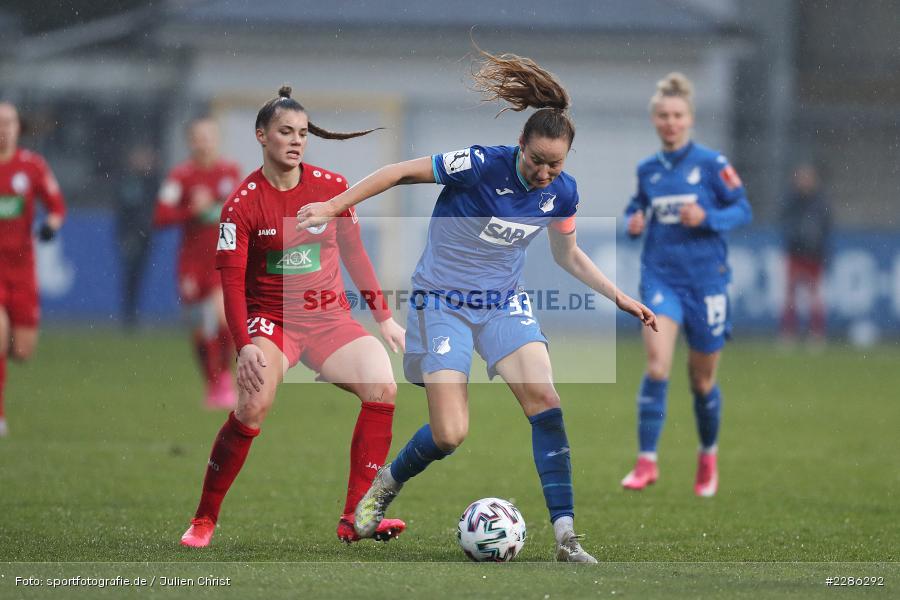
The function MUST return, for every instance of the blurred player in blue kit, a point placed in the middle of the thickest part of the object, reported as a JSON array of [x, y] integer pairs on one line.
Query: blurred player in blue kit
[[468, 293], [688, 196]]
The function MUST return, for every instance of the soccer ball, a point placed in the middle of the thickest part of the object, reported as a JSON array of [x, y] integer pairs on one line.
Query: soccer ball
[[491, 529]]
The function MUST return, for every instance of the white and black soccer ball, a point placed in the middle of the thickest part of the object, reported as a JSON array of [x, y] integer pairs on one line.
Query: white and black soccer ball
[[491, 529]]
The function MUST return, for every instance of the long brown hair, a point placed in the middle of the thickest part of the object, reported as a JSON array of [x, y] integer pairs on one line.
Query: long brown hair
[[523, 84], [284, 102]]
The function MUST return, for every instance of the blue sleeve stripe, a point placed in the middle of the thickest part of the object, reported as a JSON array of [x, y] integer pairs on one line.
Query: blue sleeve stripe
[[434, 168]]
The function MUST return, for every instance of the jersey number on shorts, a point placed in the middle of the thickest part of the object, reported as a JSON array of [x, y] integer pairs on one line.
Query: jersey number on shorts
[[521, 305], [716, 312], [260, 324]]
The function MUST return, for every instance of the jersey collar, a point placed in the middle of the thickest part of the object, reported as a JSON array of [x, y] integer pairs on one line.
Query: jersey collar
[[670, 159], [519, 173]]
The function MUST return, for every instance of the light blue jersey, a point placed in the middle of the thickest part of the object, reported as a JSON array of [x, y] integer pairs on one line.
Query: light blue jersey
[[468, 292], [484, 219], [684, 270]]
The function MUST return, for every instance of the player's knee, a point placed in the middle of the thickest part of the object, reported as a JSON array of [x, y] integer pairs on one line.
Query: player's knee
[[21, 352], [381, 392], [545, 399], [658, 369], [701, 382], [450, 438], [253, 408]]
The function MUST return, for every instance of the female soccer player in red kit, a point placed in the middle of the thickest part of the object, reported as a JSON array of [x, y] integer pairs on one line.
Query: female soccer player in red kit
[[24, 176], [192, 196], [268, 271]]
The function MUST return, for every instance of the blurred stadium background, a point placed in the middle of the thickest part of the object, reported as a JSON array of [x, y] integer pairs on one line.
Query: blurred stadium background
[[778, 83]]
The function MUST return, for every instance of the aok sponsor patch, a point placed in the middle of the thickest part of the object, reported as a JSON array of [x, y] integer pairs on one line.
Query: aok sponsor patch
[[298, 260], [11, 207]]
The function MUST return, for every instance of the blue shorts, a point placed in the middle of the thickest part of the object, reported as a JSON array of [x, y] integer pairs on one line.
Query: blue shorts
[[441, 336], [702, 311]]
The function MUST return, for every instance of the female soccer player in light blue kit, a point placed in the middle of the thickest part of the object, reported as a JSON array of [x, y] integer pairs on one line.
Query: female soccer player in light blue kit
[[688, 196], [467, 292]]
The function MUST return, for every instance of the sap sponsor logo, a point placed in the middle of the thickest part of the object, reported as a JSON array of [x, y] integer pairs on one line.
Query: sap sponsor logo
[[693, 177], [506, 233], [264, 232], [668, 208], [546, 203], [454, 162], [440, 344], [227, 236]]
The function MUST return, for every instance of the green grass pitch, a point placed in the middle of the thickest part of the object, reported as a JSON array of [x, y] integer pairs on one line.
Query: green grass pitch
[[108, 443]]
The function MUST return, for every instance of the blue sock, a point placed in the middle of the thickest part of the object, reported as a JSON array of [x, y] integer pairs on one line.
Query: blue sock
[[551, 457], [651, 412], [708, 410], [419, 452]]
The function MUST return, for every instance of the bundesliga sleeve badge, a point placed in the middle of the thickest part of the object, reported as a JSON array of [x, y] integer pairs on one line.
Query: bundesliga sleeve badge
[[227, 236], [454, 162]]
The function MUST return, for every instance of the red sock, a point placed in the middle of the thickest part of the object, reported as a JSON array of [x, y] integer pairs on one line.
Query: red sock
[[207, 356], [225, 461], [368, 449], [226, 350], [2, 381]]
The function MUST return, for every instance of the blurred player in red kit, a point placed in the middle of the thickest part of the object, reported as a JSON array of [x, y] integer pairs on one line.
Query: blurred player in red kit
[[192, 196], [285, 303], [24, 176]]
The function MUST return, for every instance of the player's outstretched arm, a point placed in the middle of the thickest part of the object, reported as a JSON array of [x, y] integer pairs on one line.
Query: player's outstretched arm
[[570, 257], [417, 170]]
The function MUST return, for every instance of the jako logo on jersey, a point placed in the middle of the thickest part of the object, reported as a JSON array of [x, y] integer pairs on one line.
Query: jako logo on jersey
[[440, 345], [454, 162], [227, 236], [668, 208], [546, 203], [317, 229], [503, 192], [298, 260], [506, 233], [263, 232], [480, 155], [693, 177], [655, 178]]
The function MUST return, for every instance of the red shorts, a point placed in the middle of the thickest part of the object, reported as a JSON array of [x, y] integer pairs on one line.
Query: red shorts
[[194, 284], [19, 296], [312, 342]]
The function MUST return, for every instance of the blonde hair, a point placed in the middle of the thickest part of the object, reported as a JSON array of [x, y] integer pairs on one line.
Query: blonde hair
[[673, 85]]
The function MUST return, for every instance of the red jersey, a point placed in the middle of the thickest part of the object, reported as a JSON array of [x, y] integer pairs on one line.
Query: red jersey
[[293, 276], [23, 178], [174, 207]]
